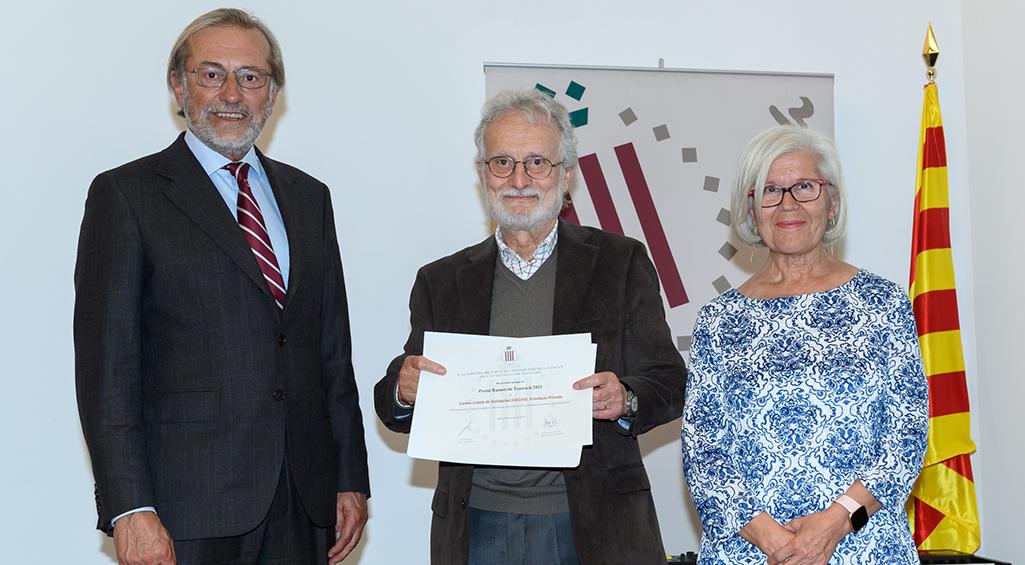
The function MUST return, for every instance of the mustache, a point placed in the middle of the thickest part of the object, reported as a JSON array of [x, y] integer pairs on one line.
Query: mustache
[[229, 108], [537, 193]]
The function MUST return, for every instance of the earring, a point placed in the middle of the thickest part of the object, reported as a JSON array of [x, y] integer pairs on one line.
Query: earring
[[831, 225]]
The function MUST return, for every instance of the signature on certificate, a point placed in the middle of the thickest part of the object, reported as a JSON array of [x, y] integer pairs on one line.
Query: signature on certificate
[[550, 422], [467, 429]]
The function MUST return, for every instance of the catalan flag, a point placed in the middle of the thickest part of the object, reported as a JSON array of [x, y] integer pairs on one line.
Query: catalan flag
[[942, 508]]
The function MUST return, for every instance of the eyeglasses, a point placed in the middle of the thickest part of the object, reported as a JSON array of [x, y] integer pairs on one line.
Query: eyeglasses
[[537, 168], [214, 76], [804, 190]]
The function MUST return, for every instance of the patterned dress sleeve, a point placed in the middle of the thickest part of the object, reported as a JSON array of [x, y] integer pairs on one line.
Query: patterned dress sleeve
[[901, 421], [721, 497]]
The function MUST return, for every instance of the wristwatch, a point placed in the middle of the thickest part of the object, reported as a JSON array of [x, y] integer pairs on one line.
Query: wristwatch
[[631, 404], [858, 513]]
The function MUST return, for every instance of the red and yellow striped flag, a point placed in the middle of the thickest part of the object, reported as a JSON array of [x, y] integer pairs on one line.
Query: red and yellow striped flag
[[942, 508]]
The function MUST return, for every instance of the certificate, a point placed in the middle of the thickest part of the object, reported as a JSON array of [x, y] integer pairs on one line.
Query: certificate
[[504, 401]]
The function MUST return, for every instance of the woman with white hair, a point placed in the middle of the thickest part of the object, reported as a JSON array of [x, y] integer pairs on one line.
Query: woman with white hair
[[806, 407]]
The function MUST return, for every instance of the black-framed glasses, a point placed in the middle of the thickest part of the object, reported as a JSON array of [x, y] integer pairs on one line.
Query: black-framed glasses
[[804, 190], [214, 76], [537, 168]]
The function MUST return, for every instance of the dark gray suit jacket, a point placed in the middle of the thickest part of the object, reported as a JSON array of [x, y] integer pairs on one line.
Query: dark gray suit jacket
[[188, 376], [605, 285]]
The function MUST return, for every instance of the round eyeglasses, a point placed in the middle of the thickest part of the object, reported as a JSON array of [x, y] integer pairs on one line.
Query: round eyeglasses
[[804, 190], [214, 76], [537, 168]]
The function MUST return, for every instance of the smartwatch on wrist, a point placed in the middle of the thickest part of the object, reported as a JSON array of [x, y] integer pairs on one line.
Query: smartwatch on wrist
[[858, 513]]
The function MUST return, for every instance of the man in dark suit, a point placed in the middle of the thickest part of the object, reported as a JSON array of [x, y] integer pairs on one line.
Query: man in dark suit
[[212, 350], [540, 276]]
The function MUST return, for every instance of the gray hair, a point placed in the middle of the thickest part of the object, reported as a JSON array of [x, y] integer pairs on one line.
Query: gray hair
[[536, 106], [225, 17], [753, 167]]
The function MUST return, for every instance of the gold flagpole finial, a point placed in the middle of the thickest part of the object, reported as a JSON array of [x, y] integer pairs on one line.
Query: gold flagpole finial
[[930, 53]]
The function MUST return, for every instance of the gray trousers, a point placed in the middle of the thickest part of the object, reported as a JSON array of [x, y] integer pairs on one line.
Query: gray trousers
[[504, 538]]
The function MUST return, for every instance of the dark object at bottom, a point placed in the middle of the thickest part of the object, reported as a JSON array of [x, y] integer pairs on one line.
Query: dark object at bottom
[[691, 558], [933, 559]]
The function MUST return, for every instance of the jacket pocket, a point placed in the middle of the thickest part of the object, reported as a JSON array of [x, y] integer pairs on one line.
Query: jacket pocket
[[632, 478], [184, 406]]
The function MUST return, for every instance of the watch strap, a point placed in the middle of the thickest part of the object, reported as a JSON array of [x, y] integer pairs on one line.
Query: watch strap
[[849, 503]]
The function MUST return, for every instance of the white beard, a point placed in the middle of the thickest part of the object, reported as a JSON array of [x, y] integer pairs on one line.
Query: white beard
[[548, 208]]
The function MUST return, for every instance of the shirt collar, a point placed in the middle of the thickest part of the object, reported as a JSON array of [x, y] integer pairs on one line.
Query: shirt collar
[[524, 268], [212, 161]]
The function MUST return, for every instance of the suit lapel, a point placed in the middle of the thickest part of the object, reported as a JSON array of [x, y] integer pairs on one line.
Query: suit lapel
[[194, 193], [575, 264], [475, 280], [282, 184]]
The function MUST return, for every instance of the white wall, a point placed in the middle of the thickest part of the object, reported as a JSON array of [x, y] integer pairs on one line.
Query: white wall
[[381, 101], [996, 142]]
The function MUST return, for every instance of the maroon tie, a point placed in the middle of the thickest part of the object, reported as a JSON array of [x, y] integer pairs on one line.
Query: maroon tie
[[255, 230]]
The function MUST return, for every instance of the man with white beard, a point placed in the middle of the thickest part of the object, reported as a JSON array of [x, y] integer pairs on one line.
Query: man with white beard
[[538, 275], [213, 370]]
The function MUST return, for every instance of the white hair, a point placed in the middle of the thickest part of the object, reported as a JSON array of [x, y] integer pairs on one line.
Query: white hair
[[535, 105], [753, 168]]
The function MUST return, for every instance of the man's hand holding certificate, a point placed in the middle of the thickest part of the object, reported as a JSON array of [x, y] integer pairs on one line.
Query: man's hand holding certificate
[[504, 401]]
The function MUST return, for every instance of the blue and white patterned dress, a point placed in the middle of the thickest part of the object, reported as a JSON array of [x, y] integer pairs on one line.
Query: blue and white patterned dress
[[790, 400]]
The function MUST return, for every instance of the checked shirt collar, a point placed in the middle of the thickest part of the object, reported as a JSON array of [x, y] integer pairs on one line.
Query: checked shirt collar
[[525, 268]]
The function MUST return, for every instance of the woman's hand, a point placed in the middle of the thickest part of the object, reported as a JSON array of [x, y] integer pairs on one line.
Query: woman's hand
[[766, 534], [815, 537]]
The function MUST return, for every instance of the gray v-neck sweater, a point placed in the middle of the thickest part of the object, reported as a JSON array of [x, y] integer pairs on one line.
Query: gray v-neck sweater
[[521, 308]]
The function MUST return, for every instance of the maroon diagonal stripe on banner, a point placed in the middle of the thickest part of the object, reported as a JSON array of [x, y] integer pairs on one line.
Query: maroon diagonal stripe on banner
[[934, 153], [962, 465], [661, 254], [936, 311], [600, 195], [948, 394], [932, 230], [569, 213], [926, 520]]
